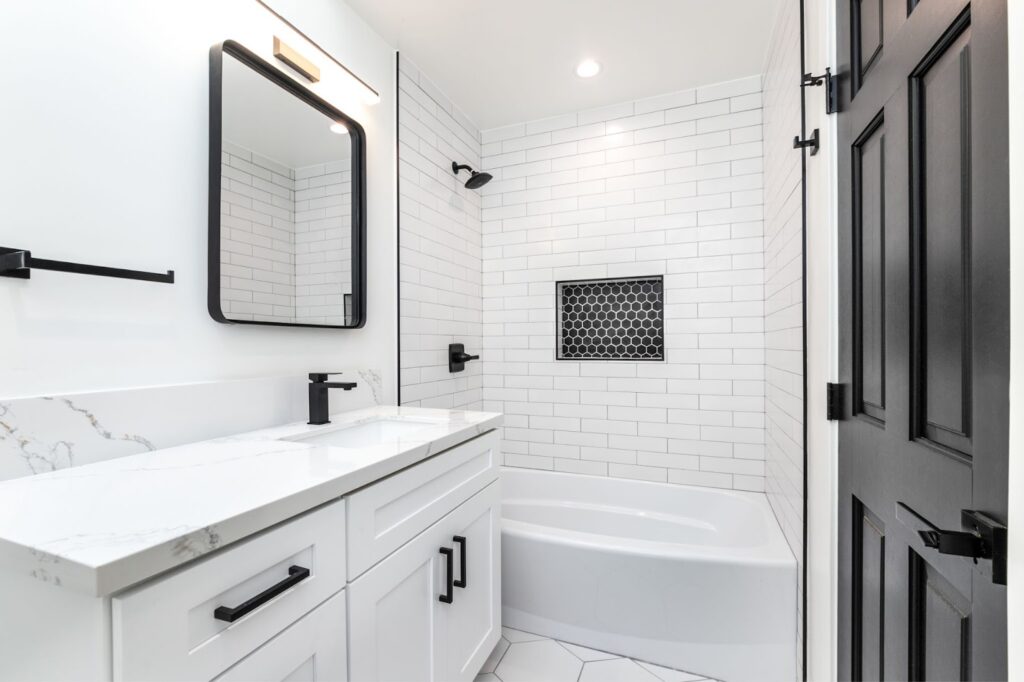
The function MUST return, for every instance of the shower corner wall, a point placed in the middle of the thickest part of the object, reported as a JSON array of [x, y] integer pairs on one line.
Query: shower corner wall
[[440, 294]]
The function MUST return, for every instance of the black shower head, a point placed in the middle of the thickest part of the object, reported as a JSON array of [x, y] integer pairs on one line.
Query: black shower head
[[476, 180]]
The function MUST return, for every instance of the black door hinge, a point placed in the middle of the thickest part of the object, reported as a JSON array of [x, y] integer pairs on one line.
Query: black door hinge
[[983, 538], [831, 92], [810, 143], [834, 402]]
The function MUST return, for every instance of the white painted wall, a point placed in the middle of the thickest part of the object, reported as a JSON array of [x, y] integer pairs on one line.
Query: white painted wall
[[439, 246], [1015, 578], [664, 186], [112, 110]]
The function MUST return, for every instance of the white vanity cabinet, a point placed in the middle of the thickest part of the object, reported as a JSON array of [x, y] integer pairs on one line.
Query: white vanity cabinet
[[355, 588]]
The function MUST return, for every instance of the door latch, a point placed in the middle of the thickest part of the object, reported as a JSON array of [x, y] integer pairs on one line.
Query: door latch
[[983, 538]]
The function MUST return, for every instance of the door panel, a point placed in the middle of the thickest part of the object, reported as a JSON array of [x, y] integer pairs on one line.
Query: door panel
[[924, 342], [939, 625], [869, 275], [869, 588], [940, 138]]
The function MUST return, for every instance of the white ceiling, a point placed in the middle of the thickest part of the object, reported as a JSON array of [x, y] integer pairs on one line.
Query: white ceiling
[[508, 61]]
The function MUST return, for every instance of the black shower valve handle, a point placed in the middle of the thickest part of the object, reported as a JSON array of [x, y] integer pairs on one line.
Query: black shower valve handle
[[458, 357]]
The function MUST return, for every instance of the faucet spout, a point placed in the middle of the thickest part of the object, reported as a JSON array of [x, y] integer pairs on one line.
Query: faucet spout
[[319, 406]]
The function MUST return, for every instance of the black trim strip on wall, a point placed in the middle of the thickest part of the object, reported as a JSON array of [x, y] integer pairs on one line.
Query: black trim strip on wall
[[398, 236], [803, 330]]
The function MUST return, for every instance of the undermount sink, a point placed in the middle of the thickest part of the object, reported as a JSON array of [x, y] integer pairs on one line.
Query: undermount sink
[[366, 434]]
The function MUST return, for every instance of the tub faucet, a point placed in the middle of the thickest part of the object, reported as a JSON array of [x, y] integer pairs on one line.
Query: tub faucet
[[319, 407]]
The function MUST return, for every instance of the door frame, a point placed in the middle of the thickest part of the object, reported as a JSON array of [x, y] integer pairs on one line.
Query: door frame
[[1015, 565], [819, 646]]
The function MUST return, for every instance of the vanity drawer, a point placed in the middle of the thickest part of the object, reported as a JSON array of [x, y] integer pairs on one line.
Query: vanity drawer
[[385, 515], [166, 629], [313, 649]]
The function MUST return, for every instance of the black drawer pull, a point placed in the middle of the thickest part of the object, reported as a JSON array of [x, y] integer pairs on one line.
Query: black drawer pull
[[449, 566], [296, 574], [461, 542]]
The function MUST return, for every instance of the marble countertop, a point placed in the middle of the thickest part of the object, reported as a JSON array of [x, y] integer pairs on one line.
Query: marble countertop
[[102, 527]]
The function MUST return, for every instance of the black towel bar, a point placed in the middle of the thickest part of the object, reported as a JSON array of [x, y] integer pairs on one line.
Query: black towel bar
[[20, 263]]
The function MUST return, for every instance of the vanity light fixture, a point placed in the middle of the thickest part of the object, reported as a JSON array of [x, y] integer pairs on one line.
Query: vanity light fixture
[[290, 56], [369, 95], [339, 128], [588, 68]]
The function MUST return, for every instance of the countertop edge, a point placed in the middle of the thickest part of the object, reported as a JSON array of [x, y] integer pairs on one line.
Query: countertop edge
[[132, 569]]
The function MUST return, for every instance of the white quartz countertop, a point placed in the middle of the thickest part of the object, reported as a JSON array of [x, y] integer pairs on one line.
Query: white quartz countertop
[[101, 527]]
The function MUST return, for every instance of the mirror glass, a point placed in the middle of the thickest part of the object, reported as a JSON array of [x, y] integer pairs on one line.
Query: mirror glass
[[288, 229]]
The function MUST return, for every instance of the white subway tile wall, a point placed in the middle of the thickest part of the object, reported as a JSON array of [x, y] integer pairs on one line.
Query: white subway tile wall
[[783, 283], [440, 246], [286, 245], [257, 227], [323, 242], [666, 186]]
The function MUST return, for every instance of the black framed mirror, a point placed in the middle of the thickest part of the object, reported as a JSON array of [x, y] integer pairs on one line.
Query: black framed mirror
[[287, 215]]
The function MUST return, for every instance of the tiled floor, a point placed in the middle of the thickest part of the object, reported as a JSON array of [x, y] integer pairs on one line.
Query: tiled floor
[[522, 657]]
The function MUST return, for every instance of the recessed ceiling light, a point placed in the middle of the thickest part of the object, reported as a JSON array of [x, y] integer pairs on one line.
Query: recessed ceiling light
[[588, 68], [339, 128]]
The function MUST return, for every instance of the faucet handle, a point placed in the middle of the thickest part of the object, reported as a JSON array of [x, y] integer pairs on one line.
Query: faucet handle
[[320, 377]]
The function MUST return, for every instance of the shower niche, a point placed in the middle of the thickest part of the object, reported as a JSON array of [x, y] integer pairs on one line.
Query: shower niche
[[287, 216], [611, 319]]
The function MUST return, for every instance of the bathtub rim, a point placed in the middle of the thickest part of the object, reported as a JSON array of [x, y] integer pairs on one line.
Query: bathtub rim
[[774, 552]]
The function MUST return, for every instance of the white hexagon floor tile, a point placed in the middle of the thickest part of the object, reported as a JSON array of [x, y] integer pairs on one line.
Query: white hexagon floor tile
[[539, 661], [525, 657], [615, 670]]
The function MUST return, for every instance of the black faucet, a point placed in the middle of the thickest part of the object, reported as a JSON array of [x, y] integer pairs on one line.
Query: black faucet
[[319, 410]]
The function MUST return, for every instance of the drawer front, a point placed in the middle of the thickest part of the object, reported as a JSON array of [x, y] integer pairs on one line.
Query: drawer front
[[166, 629], [312, 650], [384, 516]]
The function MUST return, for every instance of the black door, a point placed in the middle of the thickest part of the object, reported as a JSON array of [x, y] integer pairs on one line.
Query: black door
[[924, 335]]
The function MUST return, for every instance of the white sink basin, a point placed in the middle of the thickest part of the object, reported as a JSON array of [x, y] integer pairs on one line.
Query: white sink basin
[[366, 434]]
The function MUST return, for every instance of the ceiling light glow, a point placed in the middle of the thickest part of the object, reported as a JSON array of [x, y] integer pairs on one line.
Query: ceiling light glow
[[588, 68], [339, 128]]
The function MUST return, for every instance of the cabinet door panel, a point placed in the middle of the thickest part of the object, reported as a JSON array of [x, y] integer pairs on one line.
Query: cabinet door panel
[[473, 624], [404, 632], [394, 607]]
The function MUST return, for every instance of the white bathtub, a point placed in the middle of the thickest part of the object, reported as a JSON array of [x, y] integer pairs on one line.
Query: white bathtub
[[692, 578]]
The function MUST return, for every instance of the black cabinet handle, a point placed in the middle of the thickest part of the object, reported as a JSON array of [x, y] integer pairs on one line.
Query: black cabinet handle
[[461, 542], [447, 597], [296, 574]]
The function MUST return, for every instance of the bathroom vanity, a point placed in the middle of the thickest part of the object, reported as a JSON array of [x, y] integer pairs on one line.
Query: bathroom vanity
[[364, 549]]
